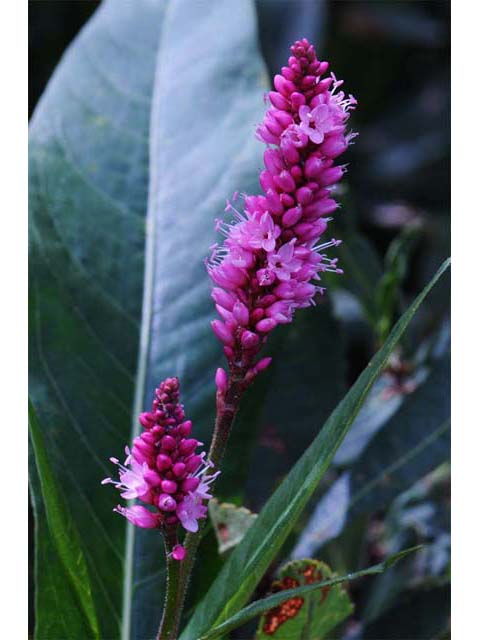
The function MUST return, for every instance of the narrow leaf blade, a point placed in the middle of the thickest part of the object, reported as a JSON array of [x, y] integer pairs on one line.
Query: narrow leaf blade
[[260, 606]]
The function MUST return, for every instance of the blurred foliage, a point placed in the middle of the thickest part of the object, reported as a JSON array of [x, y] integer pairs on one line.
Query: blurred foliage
[[394, 56]]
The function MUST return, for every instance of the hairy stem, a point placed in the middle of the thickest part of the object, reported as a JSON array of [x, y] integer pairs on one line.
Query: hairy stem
[[174, 596]]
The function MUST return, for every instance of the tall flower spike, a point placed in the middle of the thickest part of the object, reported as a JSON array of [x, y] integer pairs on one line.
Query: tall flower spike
[[271, 257], [164, 471]]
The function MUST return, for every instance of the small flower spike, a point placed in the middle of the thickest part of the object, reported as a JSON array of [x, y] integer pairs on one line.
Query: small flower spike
[[164, 471], [272, 256]]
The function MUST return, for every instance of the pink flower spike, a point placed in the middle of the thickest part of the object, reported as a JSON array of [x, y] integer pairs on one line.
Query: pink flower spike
[[170, 473], [271, 254]]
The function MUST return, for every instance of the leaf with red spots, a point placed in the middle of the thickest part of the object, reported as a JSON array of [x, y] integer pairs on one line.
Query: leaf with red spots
[[311, 616], [229, 522]]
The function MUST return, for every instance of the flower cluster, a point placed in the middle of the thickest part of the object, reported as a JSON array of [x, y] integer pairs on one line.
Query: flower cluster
[[163, 469], [263, 271]]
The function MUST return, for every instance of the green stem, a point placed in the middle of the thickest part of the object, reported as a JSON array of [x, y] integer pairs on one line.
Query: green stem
[[174, 596]]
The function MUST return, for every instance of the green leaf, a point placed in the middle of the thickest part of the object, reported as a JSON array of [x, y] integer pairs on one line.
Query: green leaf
[[250, 559], [230, 523], [61, 541], [313, 615], [105, 145], [260, 606]]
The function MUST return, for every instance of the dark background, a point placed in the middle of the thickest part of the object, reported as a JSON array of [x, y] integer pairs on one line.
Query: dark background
[[396, 57]]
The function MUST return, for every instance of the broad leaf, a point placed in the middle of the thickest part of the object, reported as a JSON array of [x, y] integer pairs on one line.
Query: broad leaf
[[101, 149], [251, 557]]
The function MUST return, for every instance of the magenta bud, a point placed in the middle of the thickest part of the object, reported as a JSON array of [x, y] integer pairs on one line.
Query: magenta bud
[[324, 84], [166, 502], [138, 455], [188, 446], [285, 87], [179, 469], [297, 99], [169, 486], [163, 462], [274, 201], [266, 325], [193, 464], [334, 146], [297, 173], [263, 364], [278, 100], [304, 195], [222, 333], [185, 429], [330, 176], [321, 208], [257, 314], [292, 216], [240, 313], [224, 299], [148, 437], [168, 443], [288, 73], [284, 181], [152, 478], [283, 117], [313, 167], [249, 340], [229, 352], [141, 445], [221, 380], [269, 299], [178, 552], [266, 180], [273, 161], [287, 200], [190, 484], [146, 419]]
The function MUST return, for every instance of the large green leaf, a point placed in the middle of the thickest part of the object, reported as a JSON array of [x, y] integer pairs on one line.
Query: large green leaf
[[251, 557], [102, 151], [66, 574]]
